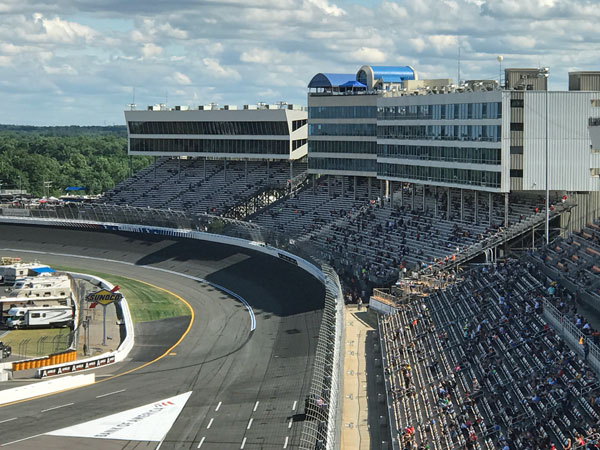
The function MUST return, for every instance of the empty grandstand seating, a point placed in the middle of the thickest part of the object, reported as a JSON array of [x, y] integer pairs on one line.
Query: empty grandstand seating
[[476, 366]]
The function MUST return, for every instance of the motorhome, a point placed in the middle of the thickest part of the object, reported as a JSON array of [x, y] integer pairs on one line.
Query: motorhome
[[42, 317], [13, 268]]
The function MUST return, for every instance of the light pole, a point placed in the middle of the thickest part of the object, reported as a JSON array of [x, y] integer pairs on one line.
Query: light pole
[[543, 73]]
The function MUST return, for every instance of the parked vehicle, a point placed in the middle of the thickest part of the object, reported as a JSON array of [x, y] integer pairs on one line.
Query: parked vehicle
[[5, 350], [39, 316]]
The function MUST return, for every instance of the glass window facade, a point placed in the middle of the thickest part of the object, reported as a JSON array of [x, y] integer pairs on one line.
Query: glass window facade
[[238, 146], [298, 124], [342, 129], [471, 155], [440, 174], [218, 128], [297, 143], [354, 165], [453, 111], [342, 112], [342, 147], [488, 133]]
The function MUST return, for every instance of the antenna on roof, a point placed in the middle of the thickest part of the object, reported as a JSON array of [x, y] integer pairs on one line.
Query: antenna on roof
[[458, 79], [132, 105]]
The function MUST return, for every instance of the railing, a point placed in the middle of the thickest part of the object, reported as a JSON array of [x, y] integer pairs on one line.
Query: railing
[[499, 238], [323, 406], [573, 335]]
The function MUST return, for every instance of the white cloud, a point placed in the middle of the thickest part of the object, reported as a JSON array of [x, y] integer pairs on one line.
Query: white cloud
[[217, 70], [62, 31], [65, 69], [181, 79], [151, 50], [331, 10], [368, 55]]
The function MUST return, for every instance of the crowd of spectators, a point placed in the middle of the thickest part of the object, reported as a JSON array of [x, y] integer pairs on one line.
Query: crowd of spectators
[[476, 365]]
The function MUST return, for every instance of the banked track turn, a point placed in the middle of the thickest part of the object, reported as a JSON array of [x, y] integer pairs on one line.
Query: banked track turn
[[246, 386]]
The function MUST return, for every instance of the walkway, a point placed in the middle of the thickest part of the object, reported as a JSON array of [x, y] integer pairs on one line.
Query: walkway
[[361, 412]]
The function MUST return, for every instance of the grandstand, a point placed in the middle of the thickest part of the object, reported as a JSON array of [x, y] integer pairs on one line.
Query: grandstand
[[477, 366]]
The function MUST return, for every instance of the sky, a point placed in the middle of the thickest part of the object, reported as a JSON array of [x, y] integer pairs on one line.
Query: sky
[[82, 62]]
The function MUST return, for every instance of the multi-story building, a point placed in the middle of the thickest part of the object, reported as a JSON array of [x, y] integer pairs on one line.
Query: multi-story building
[[276, 132], [475, 138]]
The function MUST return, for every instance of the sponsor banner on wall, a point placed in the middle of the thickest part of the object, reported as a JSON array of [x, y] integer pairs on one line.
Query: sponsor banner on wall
[[77, 366], [287, 258]]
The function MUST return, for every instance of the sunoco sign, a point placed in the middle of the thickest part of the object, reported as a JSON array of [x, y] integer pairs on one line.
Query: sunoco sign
[[104, 297]]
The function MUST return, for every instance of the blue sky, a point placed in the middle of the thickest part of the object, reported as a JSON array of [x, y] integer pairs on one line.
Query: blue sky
[[78, 61]]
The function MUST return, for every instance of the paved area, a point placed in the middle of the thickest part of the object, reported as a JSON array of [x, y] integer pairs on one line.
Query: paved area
[[362, 411]]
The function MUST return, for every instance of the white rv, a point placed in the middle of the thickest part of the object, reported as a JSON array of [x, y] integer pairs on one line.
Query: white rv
[[39, 316]]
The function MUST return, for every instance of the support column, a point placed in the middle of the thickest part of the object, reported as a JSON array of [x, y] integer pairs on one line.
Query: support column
[[435, 205], [155, 167], [354, 187], [476, 207], [246, 171], [343, 187], [449, 200], [291, 171], [225, 170], [328, 186], [505, 209], [381, 190], [490, 207], [462, 204], [179, 168], [401, 194], [314, 183], [412, 198], [268, 170], [423, 198], [391, 189], [369, 187]]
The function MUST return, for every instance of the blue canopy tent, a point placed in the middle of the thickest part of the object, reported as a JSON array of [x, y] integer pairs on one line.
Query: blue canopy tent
[[39, 270], [74, 188], [353, 85]]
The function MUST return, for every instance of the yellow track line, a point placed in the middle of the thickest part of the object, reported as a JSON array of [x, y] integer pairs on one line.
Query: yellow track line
[[135, 368]]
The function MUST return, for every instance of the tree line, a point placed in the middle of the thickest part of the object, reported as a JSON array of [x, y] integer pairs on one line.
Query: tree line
[[91, 157]]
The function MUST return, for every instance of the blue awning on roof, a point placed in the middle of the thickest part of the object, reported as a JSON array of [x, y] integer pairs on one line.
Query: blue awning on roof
[[43, 270], [353, 84], [329, 80], [75, 188], [393, 74]]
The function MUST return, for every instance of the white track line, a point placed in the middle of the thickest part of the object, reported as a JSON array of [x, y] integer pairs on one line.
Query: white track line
[[256, 406], [243, 443], [249, 423], [286, 442], [290, 423], [210, 423], [57, 407], [110, 393], [160, 269], [218, 406], [294, 407], [201, 442], [21, 440], [8, 420]]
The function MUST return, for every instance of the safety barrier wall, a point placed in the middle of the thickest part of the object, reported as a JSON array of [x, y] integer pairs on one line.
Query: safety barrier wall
[[45, 387], [106, 358], [36, 363], [328, 362]]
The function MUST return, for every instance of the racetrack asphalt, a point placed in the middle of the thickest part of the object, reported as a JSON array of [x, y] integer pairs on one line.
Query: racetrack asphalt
[[258, 375]]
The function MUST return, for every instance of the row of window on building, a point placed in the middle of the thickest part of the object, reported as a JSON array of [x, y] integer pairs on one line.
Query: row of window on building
[[469, 155], [346, 164], [259, 146], [217, 128], [488, 133], [452, 111], [342, 112], [481, 178]]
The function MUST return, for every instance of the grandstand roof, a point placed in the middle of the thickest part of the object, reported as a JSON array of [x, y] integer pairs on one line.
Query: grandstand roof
[[329, 80]]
